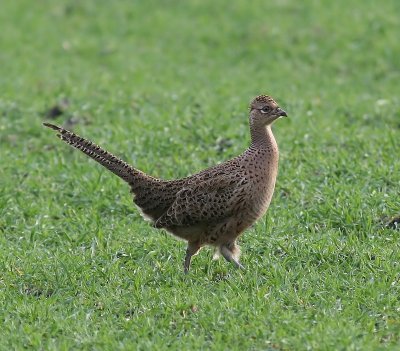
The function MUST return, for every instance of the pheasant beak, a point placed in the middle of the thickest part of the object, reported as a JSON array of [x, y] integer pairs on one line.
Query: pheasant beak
[[280, 112]]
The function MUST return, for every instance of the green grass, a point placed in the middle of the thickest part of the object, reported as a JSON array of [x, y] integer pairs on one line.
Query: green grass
[[165, 85]]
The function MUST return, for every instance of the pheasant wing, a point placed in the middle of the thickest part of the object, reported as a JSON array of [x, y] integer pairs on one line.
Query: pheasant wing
[[208, 201]]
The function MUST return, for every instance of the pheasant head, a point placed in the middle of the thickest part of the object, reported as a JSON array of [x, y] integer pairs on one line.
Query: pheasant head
[[264, 110]]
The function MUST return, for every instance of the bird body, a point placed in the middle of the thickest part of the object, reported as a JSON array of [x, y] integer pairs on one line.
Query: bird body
[[212, 207]]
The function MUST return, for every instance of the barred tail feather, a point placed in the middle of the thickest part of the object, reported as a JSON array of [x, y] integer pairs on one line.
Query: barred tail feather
[[106, 159]]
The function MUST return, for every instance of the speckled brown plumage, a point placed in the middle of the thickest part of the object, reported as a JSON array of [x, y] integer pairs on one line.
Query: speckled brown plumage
[[214, 206]]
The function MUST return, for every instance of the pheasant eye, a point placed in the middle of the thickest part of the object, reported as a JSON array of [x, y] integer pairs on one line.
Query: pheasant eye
[[265, 109]]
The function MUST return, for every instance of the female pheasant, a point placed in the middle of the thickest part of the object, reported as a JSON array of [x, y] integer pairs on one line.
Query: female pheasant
[[214, 206]]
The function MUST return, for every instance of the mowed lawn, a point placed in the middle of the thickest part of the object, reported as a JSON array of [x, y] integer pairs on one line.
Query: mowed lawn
[[166, 86]]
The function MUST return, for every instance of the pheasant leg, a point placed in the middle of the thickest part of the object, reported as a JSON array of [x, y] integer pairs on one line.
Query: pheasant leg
[[192, 250], [230, 256]]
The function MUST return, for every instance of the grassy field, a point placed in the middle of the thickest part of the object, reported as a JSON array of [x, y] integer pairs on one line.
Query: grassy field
[[166, 85]]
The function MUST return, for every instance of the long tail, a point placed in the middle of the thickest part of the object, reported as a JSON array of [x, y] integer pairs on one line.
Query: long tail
[[114, 164]]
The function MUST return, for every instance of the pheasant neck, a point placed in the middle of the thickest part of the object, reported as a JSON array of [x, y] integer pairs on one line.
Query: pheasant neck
[[262, 137]]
